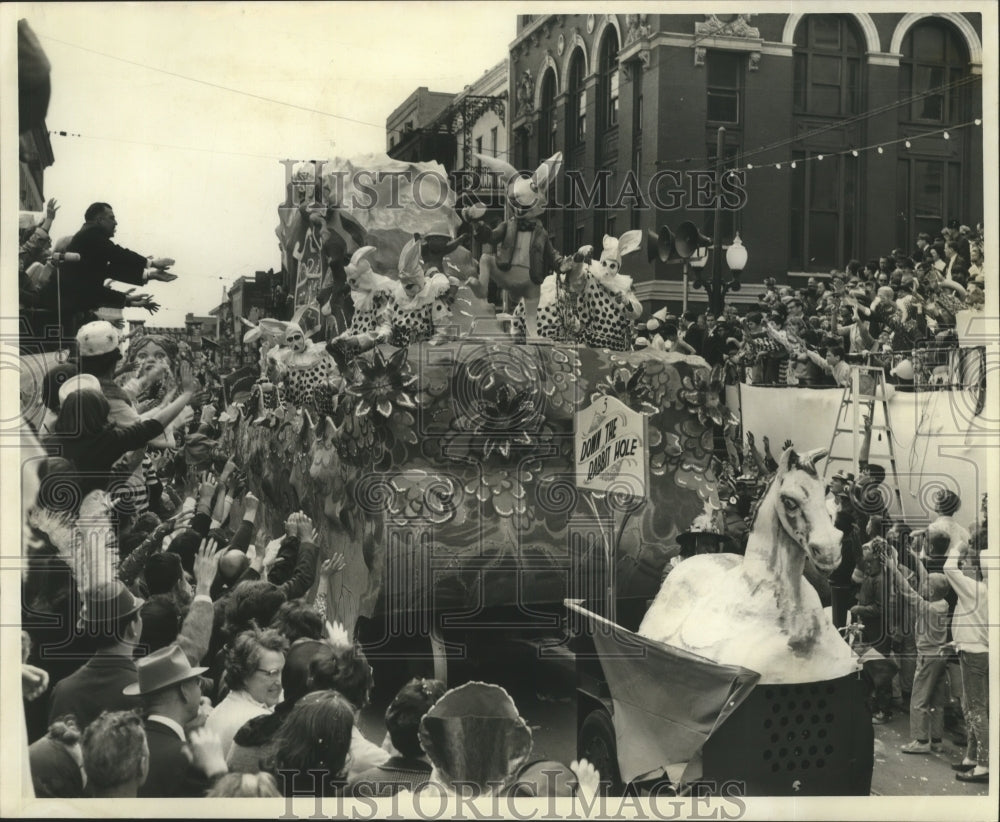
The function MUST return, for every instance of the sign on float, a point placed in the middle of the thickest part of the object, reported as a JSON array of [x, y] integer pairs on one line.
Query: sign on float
[[612, 442]]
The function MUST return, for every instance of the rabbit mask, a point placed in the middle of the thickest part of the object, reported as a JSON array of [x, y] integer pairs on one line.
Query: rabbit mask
[[525, 195], [295, 339], [359, 270], [614, 249]]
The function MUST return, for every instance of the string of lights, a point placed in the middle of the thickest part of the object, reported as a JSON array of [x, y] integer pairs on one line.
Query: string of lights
[[879, 148], [867, 115]]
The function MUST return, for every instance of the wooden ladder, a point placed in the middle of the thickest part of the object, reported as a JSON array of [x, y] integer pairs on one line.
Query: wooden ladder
[[866, 389]]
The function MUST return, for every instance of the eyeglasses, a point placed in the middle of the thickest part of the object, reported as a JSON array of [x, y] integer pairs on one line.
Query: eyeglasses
[[273, 673]]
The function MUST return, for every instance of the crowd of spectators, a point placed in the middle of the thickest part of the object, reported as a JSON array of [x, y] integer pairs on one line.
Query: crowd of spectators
[[169, 656], [897, 311]]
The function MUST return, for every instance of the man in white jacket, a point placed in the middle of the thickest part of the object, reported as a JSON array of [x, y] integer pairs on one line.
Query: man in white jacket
[[970, 631]]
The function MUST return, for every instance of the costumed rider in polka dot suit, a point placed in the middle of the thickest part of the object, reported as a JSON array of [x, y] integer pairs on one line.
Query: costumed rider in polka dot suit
[[302, 366], [421, 308], [373, 296], [594, 302]]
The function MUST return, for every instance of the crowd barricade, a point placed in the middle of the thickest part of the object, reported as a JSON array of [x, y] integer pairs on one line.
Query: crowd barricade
[[931, 365]]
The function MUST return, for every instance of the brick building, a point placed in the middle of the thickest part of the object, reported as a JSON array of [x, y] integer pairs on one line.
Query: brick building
[[646, 93]]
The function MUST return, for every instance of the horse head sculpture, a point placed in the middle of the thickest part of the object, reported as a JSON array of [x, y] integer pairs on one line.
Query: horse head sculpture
[[799, 502]]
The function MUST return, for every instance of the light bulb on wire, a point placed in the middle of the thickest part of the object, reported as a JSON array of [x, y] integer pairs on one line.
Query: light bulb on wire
[[946, 136], [854, 152], [749, 166], [778, 166], [978, 122], [907, 144], [819, 156], [881, 150], [793, 163]]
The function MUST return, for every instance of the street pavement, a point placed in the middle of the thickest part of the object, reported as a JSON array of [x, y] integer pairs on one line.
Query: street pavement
[[900, 774]]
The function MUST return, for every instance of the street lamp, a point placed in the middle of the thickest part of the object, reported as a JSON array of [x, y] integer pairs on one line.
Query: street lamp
[[736, 254], [736, 259]]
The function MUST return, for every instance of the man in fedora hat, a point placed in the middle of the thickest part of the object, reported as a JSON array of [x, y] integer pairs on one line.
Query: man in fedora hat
[[170, 691], [111, 618]]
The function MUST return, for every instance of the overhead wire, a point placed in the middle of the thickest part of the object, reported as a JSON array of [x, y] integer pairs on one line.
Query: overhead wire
[[219, 86], [649, 167]]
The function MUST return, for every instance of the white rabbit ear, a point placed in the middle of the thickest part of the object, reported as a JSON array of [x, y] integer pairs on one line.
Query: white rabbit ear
[[629, 242], [547, 171], [361, 253], [610, 243], [253, 334], [505, 169], [272, 327]]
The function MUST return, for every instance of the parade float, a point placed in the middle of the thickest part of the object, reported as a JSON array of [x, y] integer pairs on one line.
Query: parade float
[[481, 488], [446, 471]]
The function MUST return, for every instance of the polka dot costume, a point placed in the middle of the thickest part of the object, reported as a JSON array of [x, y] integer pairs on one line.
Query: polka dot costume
[[413, 325], [418, 319], [606, 318], [368, 320], [300, 382]]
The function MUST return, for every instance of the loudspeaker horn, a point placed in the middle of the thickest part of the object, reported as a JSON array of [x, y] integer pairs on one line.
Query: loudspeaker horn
[[659, 244], [689, 239]]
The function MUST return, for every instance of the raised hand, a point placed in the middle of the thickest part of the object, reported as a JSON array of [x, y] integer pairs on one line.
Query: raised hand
[[336, 636], [204, 750], [206, 565], [788, 444], [230, 467], [305, 528], [588, 778], [206, 491], [750, 439], [51, 207], [271, 552], [180, 520], [334, 565], [34, 681]]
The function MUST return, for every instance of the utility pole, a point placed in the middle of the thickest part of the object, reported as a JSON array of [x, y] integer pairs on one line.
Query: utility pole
[[716, 294]]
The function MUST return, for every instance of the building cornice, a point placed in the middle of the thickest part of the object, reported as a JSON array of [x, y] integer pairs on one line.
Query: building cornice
[[528, 30]]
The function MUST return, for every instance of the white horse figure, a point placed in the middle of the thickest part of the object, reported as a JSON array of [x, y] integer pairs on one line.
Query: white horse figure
[[757, 611]]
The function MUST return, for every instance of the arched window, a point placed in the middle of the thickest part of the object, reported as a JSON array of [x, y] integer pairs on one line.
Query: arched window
[[547, 116], [608, 83], [827, 66], [934, 57], [576, 119]]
